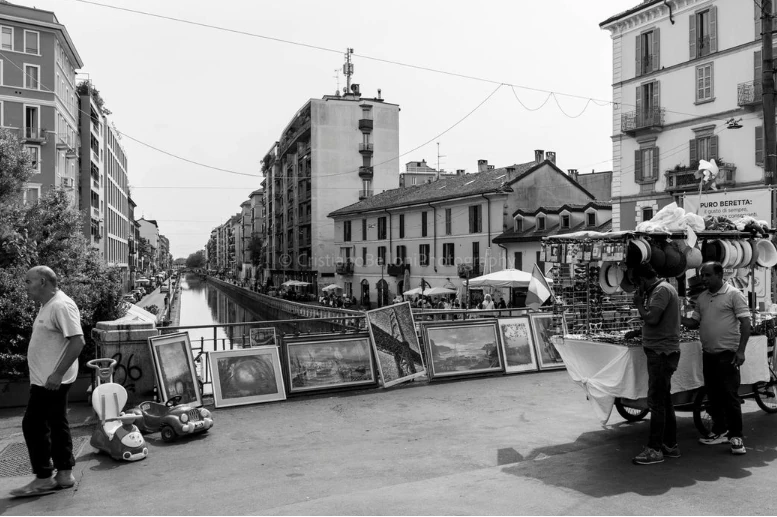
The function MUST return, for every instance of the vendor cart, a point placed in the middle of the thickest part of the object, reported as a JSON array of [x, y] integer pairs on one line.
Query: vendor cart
[[595, 292]]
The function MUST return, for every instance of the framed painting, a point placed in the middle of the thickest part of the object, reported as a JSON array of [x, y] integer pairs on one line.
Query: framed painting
[[517, 344], [544, 327], [174, 368], [396, 345], [462, 348], [329, 361], [264, 336], [246, 376]]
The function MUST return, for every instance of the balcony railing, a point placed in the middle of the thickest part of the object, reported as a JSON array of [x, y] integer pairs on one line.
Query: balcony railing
[[681, 180], [648, 119], [365, 148], [365, 193], [34, 134], [65, 141], [749, 93], [365, 172], [647, 62], [702, 46], [365, 124], [95, 212], [397, 269], [344, 268], [95, 184]]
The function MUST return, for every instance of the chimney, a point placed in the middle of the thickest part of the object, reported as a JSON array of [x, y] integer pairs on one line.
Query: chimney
[[551, 156], [490, 167], [573, 174], [510, 173], [539, 155], [482, 165], [460, 172]]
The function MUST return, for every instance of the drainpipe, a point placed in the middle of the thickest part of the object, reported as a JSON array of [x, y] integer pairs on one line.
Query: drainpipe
[[434, 230], [671, 19], [488, 218]]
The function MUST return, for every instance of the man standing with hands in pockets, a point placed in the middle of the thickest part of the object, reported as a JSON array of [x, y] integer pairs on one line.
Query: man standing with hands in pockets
[[723, 319]]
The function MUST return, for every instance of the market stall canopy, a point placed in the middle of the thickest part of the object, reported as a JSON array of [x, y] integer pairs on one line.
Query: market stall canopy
[[504, 278], [413, 292], [331, 287], [294, 283], [432, 291]]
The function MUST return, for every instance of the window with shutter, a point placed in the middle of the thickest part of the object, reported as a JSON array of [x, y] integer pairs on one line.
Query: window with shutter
[[704, 89], [713, 28], [656, 49], [638, 165], [518, 260], [401, 226], [639, 56], [759, 145], [364, 229], [692, 36], [424, 222]]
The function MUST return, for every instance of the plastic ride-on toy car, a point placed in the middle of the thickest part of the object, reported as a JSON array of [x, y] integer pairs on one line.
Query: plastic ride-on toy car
[[115, 435], [172, 419]]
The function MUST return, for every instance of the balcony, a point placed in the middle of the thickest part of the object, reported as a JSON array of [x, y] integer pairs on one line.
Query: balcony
[[703, 46], [648, 63], [34, 134], [344, 268], [397, 269], [65, 141], [365, 172], [468, 270], [366, 148], [645, 120], [749, 94], [95, 212], [95, 184], [365, 193], [684, 179], [365, 124]]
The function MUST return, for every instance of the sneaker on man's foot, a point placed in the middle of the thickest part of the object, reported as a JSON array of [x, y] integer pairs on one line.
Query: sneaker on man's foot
[[648, 456], [671, 452], [65, 479], [737, 446], [714, 438], [38, 486]]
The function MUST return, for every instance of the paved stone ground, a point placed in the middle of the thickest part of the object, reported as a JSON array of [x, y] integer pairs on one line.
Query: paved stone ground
[[520, 444]]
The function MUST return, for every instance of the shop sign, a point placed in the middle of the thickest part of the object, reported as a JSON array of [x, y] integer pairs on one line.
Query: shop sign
[[733, 205]]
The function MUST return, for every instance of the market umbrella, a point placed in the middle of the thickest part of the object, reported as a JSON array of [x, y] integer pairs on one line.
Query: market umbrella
[[331, 287], [413, 292], [504, 278], [438, 290]]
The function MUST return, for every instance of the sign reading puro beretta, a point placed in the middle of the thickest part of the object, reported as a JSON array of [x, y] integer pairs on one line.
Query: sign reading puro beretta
[[733, 205]]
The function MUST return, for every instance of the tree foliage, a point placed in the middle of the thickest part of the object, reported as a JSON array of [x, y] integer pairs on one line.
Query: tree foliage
[[47, 233], [257, 251], [195, 260]]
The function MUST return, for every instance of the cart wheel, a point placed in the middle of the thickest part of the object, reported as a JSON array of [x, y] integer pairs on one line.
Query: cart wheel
[[766, 395], [701, 419], [628, 413], [168, 434]]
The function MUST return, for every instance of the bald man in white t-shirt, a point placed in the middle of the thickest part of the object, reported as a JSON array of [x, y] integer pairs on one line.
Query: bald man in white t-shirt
[[56, 342]]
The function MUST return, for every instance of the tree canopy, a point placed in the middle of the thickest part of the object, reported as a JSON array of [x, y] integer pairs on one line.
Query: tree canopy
[[196, 260]]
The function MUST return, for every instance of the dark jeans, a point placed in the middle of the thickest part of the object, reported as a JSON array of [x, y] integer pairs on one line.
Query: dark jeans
[[721, 378], [47, 431], [663, 424]]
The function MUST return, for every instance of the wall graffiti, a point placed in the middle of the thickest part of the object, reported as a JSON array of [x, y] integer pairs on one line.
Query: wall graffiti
[[125, 373]]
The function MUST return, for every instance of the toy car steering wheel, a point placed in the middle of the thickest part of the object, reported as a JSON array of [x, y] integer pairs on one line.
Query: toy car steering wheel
[[174, 401]]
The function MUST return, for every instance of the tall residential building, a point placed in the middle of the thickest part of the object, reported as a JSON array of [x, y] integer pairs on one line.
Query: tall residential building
[[91, 183], [686, 87], [38, 94], [335, 151], [149, 232], [257, 234], [132, 242], [244, 240], [116, 205]]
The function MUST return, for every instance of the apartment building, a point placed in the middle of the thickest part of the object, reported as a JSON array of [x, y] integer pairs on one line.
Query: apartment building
[[420, 172], [335, 151], [686, 87], [149, 231], [244, 241], [38, 63], [256, 257], [165, 259], [115, 201], [91, 181], [441, 233], [132, 242]]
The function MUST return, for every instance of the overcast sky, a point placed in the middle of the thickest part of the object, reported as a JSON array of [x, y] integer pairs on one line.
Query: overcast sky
[[222, 98]]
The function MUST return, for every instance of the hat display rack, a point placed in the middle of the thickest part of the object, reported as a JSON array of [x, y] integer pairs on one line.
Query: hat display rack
[[595, 271]]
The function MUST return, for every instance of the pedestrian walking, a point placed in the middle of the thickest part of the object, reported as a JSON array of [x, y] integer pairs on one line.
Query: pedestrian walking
[[56, 342], [659, 307], [723, 319], [488, 303]]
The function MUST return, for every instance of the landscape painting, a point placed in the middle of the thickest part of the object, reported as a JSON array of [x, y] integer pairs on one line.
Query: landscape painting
[[329, 361], [517, 344], [246, 376], [462, 348], [262, 336], [395, 342], [546, 326]]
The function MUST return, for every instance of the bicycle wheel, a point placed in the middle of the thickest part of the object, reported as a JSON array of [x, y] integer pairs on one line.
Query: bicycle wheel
[[701, 418], [766, 395], [628, 413]]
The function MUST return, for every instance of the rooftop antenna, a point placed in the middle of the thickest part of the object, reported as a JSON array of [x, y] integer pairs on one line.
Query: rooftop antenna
[[438, 159], [337, 76], [347, 70]]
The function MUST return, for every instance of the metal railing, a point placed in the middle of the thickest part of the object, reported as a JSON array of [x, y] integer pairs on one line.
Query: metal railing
[[365, 147], [749, 93], [644, 118], [703, 46], [647, 62], [34, 133], [365, 193]]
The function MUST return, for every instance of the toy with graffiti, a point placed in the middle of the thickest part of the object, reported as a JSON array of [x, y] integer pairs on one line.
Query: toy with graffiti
[[116, 435], [172, 419]]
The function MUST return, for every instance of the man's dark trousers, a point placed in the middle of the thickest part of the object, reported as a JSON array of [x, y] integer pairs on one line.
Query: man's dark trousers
[[663, 424], [721, 379], [47, 431]]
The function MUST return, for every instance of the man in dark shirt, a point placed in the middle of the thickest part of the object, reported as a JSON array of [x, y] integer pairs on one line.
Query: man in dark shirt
[[659, 307]]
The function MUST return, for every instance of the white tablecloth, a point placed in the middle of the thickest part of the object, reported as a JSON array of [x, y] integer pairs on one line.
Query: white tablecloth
[[607, 371]]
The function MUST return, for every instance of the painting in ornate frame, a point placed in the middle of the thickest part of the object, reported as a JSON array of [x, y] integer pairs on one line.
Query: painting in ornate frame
[[174, 368], [544, 327], [329, 361], [246, 376], [457, 348], [518, 347], [262, 336], [396, 345]]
